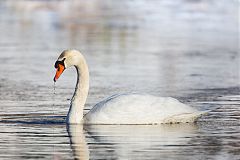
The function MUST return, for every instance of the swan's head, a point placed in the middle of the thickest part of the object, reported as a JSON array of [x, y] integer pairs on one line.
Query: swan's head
[[66, 59]]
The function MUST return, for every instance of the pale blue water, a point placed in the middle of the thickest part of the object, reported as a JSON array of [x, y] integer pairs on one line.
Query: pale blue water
[[187, 49]]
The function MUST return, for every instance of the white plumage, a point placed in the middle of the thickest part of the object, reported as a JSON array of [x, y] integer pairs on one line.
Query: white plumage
[[122, 108], [140, 109]]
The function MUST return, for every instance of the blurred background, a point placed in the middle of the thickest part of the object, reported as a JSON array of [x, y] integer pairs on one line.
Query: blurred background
[[165, 48]]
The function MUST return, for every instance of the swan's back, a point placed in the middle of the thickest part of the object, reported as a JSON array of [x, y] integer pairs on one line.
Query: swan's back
[[140, 109]]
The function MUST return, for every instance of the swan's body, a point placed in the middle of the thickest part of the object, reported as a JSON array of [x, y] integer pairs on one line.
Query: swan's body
[[123, 108], [140, 109]]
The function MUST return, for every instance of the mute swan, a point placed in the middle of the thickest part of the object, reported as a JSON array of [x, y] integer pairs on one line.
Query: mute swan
[[121, 108]]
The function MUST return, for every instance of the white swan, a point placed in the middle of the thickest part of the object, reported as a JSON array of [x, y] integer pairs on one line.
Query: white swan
[[122, 108]]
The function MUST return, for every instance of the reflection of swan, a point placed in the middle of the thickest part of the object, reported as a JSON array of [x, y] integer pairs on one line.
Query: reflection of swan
[[129, 141], [119, 109], [78, 142]]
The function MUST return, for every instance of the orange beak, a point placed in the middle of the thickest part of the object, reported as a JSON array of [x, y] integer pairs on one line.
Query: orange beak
[[59, 71]]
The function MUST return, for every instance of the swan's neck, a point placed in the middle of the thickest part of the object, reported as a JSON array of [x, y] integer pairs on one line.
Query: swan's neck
[[75, 113]]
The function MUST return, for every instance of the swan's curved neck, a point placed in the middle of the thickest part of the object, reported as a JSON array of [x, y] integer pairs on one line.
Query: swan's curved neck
[[75, 113]]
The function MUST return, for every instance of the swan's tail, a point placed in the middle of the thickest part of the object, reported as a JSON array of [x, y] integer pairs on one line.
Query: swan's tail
[[185, 117]]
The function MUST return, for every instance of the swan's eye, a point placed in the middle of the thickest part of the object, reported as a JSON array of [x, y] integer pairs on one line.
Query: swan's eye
[[59, 62]]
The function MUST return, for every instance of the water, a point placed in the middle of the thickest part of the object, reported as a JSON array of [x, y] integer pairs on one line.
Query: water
[[186, 49]]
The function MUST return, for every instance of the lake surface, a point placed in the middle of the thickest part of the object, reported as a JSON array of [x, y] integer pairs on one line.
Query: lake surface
[[187, 49]]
